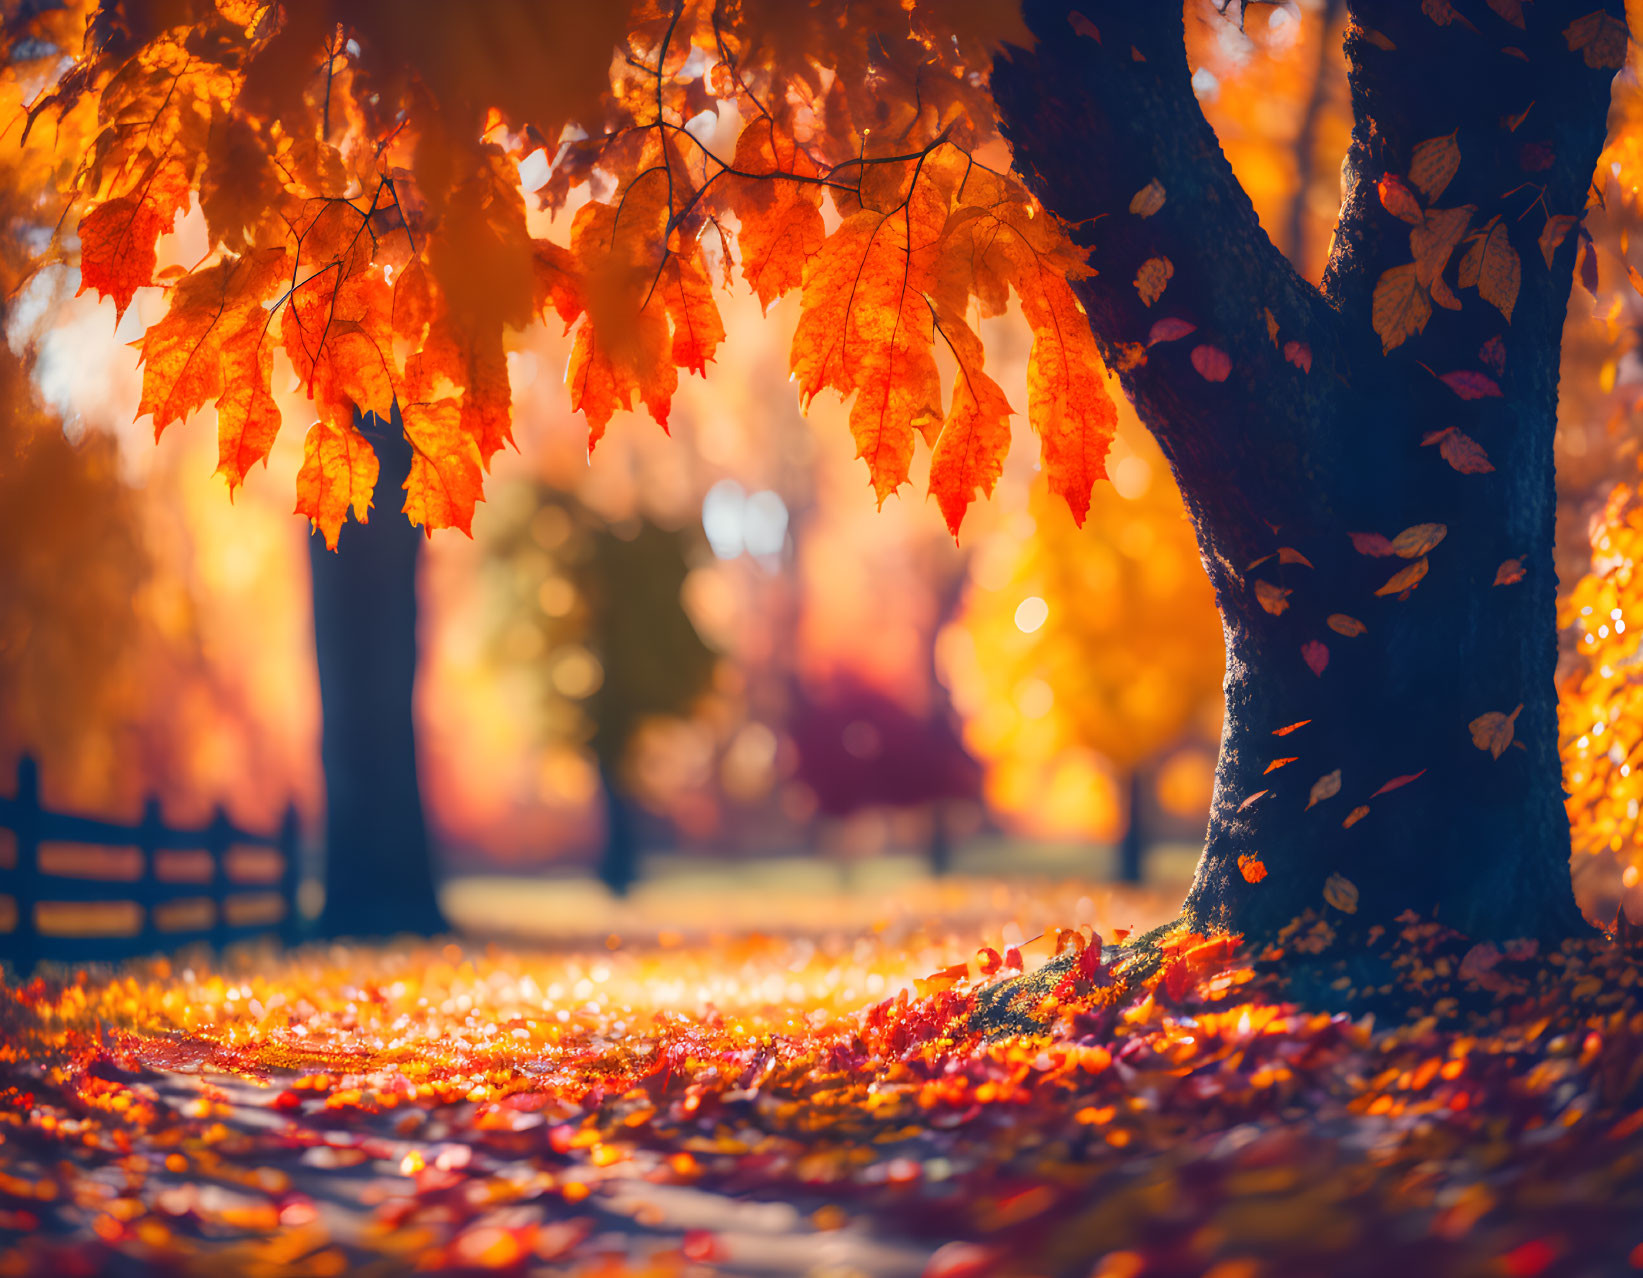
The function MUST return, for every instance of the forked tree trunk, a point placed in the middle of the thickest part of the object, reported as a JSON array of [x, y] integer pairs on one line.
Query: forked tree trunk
[[1276, 456], [378, 869]]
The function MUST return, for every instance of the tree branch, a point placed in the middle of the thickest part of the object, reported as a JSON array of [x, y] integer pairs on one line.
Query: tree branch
[[1093, 119], [1528, 114]]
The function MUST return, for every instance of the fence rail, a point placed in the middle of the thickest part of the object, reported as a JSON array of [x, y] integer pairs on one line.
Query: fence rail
[[80, 889]]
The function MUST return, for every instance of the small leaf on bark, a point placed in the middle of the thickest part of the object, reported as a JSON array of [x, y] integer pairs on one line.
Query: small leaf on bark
[[1211, 362], [1152, 278], [1170, 330], [1342, 893], [1249, 801], [1372, 544], [1288, 728], [1397, 783], [1400, 307], [1470, 384], [1494, 731], [1509, 573], [1554, 233], [1342, 624], [1299, 354], [1316, 656], [1418, 539], [1274, 599], [1325, 787], [1280, 763], [1600, 38], [1148, 200], [1406, 579], [1289, 555], [1397, 199], [1353, 817], [1433, 164], [1251, 867]]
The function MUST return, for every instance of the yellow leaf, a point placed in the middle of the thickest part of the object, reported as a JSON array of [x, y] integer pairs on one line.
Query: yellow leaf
[[1418, 539], [1494, 731], [1405, 578], [1273, 598], [1435, 238], [1434, 164], [1499, 272], [1400, 307]]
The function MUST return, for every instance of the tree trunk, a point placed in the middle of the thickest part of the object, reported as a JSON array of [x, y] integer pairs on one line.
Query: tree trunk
[[378, 869], [619, 857], [1290, 454], [1132, 848]]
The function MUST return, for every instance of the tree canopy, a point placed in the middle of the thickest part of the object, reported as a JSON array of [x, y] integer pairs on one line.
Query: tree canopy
[[355, 164]]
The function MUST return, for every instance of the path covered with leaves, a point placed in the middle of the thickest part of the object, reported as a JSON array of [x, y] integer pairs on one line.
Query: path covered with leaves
[[773, 1105]]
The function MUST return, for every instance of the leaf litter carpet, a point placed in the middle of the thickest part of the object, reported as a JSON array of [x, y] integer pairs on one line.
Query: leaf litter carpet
[[856, 1101]]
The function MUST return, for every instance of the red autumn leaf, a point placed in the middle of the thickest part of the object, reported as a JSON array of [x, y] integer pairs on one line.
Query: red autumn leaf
[[1316, 656], [339, 472], [1493, 354], [969, 454], [1288, 728], [1280, 763], [1397, 783], [780, 217], [1169, 330], [1251, 867], [1470, 384], [1299, 354], [118, 236], [1211, 362], [1372, 544], [1397, 199], [1509, 573]]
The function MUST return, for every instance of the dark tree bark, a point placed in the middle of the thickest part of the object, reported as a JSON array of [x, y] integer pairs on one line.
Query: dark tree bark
[[378, 869], [1275, 456]]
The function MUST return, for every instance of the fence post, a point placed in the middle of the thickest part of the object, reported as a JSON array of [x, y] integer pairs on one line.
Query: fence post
[[146, 891], [219, 835], [290, 845], [26, 830]]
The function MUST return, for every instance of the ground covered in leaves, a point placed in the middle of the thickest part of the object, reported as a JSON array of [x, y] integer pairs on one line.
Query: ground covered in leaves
[[835, 1104]]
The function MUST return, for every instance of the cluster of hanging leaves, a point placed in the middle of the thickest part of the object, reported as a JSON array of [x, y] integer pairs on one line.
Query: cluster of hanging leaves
[[357, 169]]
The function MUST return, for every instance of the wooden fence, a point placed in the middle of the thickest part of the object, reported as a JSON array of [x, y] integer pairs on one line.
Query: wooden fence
[[76, 889]]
